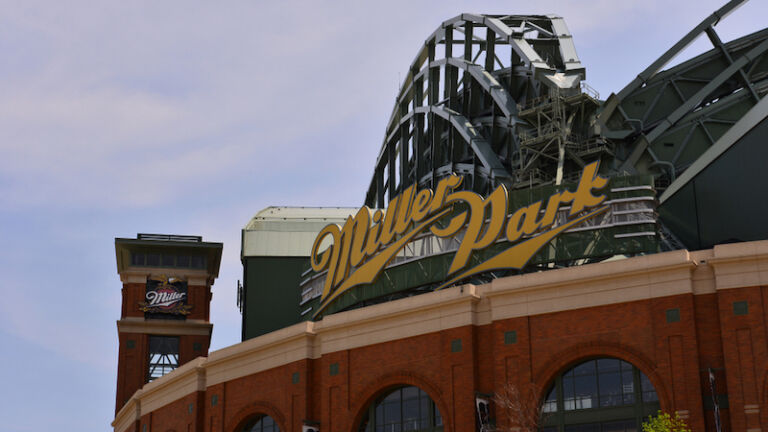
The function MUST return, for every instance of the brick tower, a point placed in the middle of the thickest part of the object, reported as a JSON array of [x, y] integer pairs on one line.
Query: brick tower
[[164, 321]]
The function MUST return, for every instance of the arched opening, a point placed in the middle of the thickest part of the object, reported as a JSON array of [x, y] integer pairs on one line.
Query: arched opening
[[261, 423], [402, 409], [599, 395]]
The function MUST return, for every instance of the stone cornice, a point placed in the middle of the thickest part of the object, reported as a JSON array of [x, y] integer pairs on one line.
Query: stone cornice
[[164, 327], [140, 275], [738, 265], [128, 414]]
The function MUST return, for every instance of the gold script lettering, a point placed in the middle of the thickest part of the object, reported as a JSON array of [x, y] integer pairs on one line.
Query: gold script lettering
[[368, 241]]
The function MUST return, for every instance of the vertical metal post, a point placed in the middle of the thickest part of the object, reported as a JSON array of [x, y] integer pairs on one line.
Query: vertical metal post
[[714, 399]]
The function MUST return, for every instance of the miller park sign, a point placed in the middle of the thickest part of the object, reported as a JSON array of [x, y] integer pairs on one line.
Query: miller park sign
[[361, 249]]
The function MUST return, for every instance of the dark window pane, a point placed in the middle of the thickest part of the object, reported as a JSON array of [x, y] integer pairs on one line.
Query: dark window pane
[[410, 409], [645, 383], [587, 368], [262, 424], [153, 259], [182, 261], [586, 392], [610, 389], [627, 382], [590, 427], [137, 259], [568, 394], [608, 365], [392, 412], [410, 392], [649, 392], [169, 261], [650, 396], [163, 355], [404, 409], [599, 386], [394, 396], [619, 426], [198, 262], [550, 403]]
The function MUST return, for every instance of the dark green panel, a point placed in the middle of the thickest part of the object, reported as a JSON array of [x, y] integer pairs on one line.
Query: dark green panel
[[679, 215], [731, 193], [728, 200], [271, 291]]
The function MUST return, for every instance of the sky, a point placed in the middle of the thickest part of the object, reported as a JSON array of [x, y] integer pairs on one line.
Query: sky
[[188, 117]]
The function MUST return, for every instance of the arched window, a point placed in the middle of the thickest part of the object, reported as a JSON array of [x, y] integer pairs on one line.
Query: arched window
[[599, 395], [403, 409], [263, 423]]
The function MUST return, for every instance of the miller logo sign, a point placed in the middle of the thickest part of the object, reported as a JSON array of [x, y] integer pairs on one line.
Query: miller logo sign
[[368, 241], [168, 295]]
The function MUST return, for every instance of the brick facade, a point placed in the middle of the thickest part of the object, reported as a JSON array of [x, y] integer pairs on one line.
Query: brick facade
[[133, 368], [674, 339]]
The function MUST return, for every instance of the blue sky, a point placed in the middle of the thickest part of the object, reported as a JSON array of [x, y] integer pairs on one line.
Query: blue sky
[[188, 117]]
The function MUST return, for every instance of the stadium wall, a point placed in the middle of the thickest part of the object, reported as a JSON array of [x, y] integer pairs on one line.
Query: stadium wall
[[673, 315]]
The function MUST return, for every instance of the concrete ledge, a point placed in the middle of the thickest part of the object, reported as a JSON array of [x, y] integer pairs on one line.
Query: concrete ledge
[[268, 351], [163, 327], [740, 264], [129, 414], [638, 278], [187, 378]]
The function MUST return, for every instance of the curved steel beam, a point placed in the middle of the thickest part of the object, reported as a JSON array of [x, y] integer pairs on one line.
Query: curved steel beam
[[642, 143], [665, 58]]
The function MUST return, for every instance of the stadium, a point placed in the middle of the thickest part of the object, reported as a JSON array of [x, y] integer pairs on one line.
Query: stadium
[[529, 257]]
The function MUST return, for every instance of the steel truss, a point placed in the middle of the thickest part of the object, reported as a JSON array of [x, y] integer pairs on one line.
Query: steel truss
[[663, 121], [459, 107], [500, 99]]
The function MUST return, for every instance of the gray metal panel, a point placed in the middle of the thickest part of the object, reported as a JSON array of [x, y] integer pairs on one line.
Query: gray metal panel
[[757, 114]]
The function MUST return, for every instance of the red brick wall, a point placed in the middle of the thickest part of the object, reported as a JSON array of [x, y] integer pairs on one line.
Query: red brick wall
[[132, 366], [674, 355]]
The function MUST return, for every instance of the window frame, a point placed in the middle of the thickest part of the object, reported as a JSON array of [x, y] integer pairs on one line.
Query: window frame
[[250, 426], [433, 415], [560, 418], [153, 366]]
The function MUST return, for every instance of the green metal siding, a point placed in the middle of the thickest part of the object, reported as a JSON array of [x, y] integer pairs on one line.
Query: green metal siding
[[728, 200], [271, 291]]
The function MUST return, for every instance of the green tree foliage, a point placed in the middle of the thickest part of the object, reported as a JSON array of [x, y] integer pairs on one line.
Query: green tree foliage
[[663, 422]]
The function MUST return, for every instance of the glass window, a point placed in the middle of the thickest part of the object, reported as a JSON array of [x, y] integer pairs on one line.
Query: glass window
[[649, 393], [262, 423], [163, 355], [169, 260], [403, 409], [153, 260], [198, 262], [601, 395], [137, 259], [182, 261], [550, 403]]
